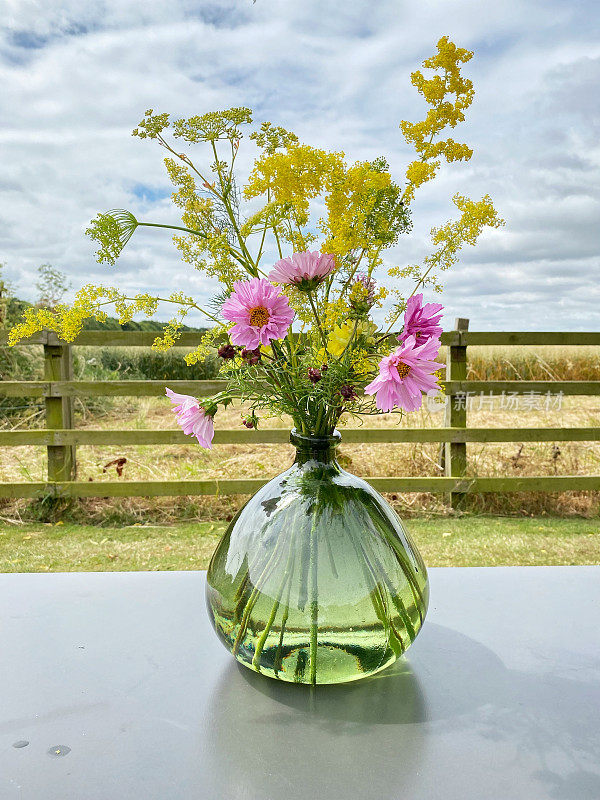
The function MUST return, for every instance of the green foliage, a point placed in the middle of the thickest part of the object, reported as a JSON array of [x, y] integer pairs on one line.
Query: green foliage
[[389, 216], [140, 363], [20, 364]]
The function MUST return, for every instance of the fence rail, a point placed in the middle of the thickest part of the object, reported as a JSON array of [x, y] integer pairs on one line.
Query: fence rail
[[151, 388], [61, 439], [455, 337]]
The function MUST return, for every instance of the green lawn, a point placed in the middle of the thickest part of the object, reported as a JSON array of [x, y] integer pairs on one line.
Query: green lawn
[[466, 541]]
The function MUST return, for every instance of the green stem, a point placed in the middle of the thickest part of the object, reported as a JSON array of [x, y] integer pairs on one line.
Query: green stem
[[279, 383], [252, 601], [353, 273], [278, 242], [286, 578], [317, 320], [172, 227], [277, 663], [225, 200], [165, 300], [263, 637], [395, 318], [236, 255], [378, 597], [416, 592], [399, 605], [314, 594]]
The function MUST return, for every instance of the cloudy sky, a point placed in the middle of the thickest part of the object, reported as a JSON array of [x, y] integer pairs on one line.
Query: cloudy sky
[[77, 75]]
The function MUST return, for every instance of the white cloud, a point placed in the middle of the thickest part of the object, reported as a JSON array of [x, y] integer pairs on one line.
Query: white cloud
[[77, 76]]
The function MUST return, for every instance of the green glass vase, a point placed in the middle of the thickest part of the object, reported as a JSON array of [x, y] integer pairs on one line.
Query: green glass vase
[[315, 580]]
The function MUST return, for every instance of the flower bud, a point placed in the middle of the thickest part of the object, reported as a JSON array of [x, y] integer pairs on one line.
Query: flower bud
[[227, 351], [348, 392], [362, 294], [251, 357]]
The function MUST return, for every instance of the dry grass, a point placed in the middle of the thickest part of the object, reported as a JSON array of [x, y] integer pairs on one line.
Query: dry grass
[[534, 363], [263, 461]]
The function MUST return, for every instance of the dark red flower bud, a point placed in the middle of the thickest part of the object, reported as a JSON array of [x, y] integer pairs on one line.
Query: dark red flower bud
[[314, 375], [324, 368], [227, 351], [348, 392], [251, 357], [251, 421]]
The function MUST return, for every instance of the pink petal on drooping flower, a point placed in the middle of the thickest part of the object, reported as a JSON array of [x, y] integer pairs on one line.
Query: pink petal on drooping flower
[[421, 321], [300, 267], [405, 375], [192, 417], [259, 312]]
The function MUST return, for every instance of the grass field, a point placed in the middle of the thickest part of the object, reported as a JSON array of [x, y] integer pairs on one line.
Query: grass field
[[467, 541]]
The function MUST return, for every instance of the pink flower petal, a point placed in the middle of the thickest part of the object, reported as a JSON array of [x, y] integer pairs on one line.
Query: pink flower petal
[[257, 293], [406, 392], [302, 267]]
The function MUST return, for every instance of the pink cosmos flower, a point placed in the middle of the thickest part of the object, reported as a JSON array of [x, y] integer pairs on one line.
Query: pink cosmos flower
[[421, 321], [305, 270], [405, 375], [260, 313], [192, 417]]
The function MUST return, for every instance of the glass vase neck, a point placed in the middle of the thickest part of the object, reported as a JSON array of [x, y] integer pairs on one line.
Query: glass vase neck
[[315, 448]]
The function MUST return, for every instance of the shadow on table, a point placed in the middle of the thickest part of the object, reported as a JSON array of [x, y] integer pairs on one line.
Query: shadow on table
[[440, 677], [267, 737], [272, 735]]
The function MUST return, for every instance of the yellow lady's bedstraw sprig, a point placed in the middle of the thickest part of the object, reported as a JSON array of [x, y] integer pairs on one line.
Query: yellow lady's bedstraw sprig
[[443, 113]]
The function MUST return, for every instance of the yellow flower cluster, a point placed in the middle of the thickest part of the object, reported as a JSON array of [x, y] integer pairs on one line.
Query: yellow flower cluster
[[334, 312], [448, 241], [172, 330], [213, 125], [350, 202], [272, 137], [359, 295], [65, 321], [362, 362], [292, 179], [170, 334], [199, 215], [341, 335], [361, 200], [207, 345], [444, 112], [475, 215]]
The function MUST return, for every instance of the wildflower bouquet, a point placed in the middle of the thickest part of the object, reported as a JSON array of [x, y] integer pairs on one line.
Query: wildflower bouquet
[[297, 256], [315, 580]]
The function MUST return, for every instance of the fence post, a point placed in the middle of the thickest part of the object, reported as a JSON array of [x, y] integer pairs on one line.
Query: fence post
[[58, 366], [455, 453]]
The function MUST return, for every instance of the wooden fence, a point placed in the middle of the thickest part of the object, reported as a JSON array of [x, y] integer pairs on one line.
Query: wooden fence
[[61, 439]]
